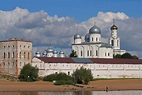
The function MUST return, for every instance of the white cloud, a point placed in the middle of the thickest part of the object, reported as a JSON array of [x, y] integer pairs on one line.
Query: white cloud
[[43, 29]]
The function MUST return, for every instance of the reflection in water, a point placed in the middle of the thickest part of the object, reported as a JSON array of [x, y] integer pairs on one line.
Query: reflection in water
[[75, 93]]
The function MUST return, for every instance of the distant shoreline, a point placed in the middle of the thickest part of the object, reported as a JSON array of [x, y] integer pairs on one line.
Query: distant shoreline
[[99, 85]]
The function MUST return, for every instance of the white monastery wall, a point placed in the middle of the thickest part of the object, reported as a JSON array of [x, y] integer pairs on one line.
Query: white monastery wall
[[98, 70]]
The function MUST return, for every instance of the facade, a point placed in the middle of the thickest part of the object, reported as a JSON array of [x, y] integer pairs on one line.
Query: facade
[[14, 54], [93, 47], [100, 67]]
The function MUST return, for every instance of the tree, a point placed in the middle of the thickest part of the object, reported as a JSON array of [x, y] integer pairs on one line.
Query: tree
[[61, 78], [73, 54], [125, 56], [28, 73], [117, 56], [82, 76]]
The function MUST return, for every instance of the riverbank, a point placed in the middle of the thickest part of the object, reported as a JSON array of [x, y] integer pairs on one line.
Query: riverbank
[[124, 84]]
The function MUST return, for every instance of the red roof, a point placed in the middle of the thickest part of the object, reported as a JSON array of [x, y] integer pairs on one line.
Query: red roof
[[90, 60], [116, 61], [56, 60]]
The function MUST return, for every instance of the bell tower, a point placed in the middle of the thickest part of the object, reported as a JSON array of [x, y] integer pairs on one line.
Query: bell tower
[[114, 40]]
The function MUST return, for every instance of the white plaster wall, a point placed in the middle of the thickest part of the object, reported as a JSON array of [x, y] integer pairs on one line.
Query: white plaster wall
[[98, 70]]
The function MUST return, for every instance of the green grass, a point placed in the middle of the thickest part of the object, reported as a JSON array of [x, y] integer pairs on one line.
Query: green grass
[[113, 79]]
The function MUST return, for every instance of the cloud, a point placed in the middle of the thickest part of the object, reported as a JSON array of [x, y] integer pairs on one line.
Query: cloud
[[43, 29]]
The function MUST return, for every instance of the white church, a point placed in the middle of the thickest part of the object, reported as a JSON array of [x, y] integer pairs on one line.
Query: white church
[[92, 46]]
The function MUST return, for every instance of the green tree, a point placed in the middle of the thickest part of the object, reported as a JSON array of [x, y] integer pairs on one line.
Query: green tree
[[126, 56], [135, 57], [73, 54], [117, 56], [28, 73], [82, 76], [61, 78]]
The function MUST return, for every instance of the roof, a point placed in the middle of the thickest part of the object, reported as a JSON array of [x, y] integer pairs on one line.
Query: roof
[[90, 60], [15, 39]]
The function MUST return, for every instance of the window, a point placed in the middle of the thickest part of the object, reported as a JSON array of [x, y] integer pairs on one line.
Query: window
[[28, 55], [20, 54], [96, 53], [96, 39], [8, 55], [4, 55], [24, 55], [92, 39], [68, 73], [112, 42], [88, 53], [81, 53], [117, 42], [13, 55], [108, 54]]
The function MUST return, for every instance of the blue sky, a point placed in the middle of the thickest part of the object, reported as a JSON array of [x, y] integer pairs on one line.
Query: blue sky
[[77, 9], [24, 19]]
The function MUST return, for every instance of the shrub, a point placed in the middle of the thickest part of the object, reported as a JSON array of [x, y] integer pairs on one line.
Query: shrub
[[61, 79], [82, 75], [28, 73]]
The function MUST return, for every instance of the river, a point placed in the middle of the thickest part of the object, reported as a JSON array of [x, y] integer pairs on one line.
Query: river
[[138, 92]]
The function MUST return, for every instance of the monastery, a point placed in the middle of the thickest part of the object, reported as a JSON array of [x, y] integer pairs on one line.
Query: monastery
[[92, 54]]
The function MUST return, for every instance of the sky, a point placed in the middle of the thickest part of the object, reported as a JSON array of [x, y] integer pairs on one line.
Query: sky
[[54, 22]]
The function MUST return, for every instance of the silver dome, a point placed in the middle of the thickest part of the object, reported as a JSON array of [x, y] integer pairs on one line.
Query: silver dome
[[77, 36], [94, 30], [61, 52], [87, 37], [55, 52], [37, 52], [49, 50]]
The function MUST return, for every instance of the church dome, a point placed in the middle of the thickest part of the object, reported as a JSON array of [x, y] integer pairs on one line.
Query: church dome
[[55, 52], [37, 52], [114, 27], [49, 50], [77, 36], [61, 52], [94, 30], [87, 36]]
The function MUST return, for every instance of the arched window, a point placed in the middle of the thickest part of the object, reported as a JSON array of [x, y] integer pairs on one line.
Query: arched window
[[112, 42], [28, 55], [13, 55], [20, 54], [88, 53], [81, 53], [8, 55], [92, 39], [96, 53], [108, 54], [24, 54], [96, 39], [68, 73], [4, 55]]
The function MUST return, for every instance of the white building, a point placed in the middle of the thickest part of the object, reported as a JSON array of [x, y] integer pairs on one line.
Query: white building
[[100, 67], [93, 47]]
